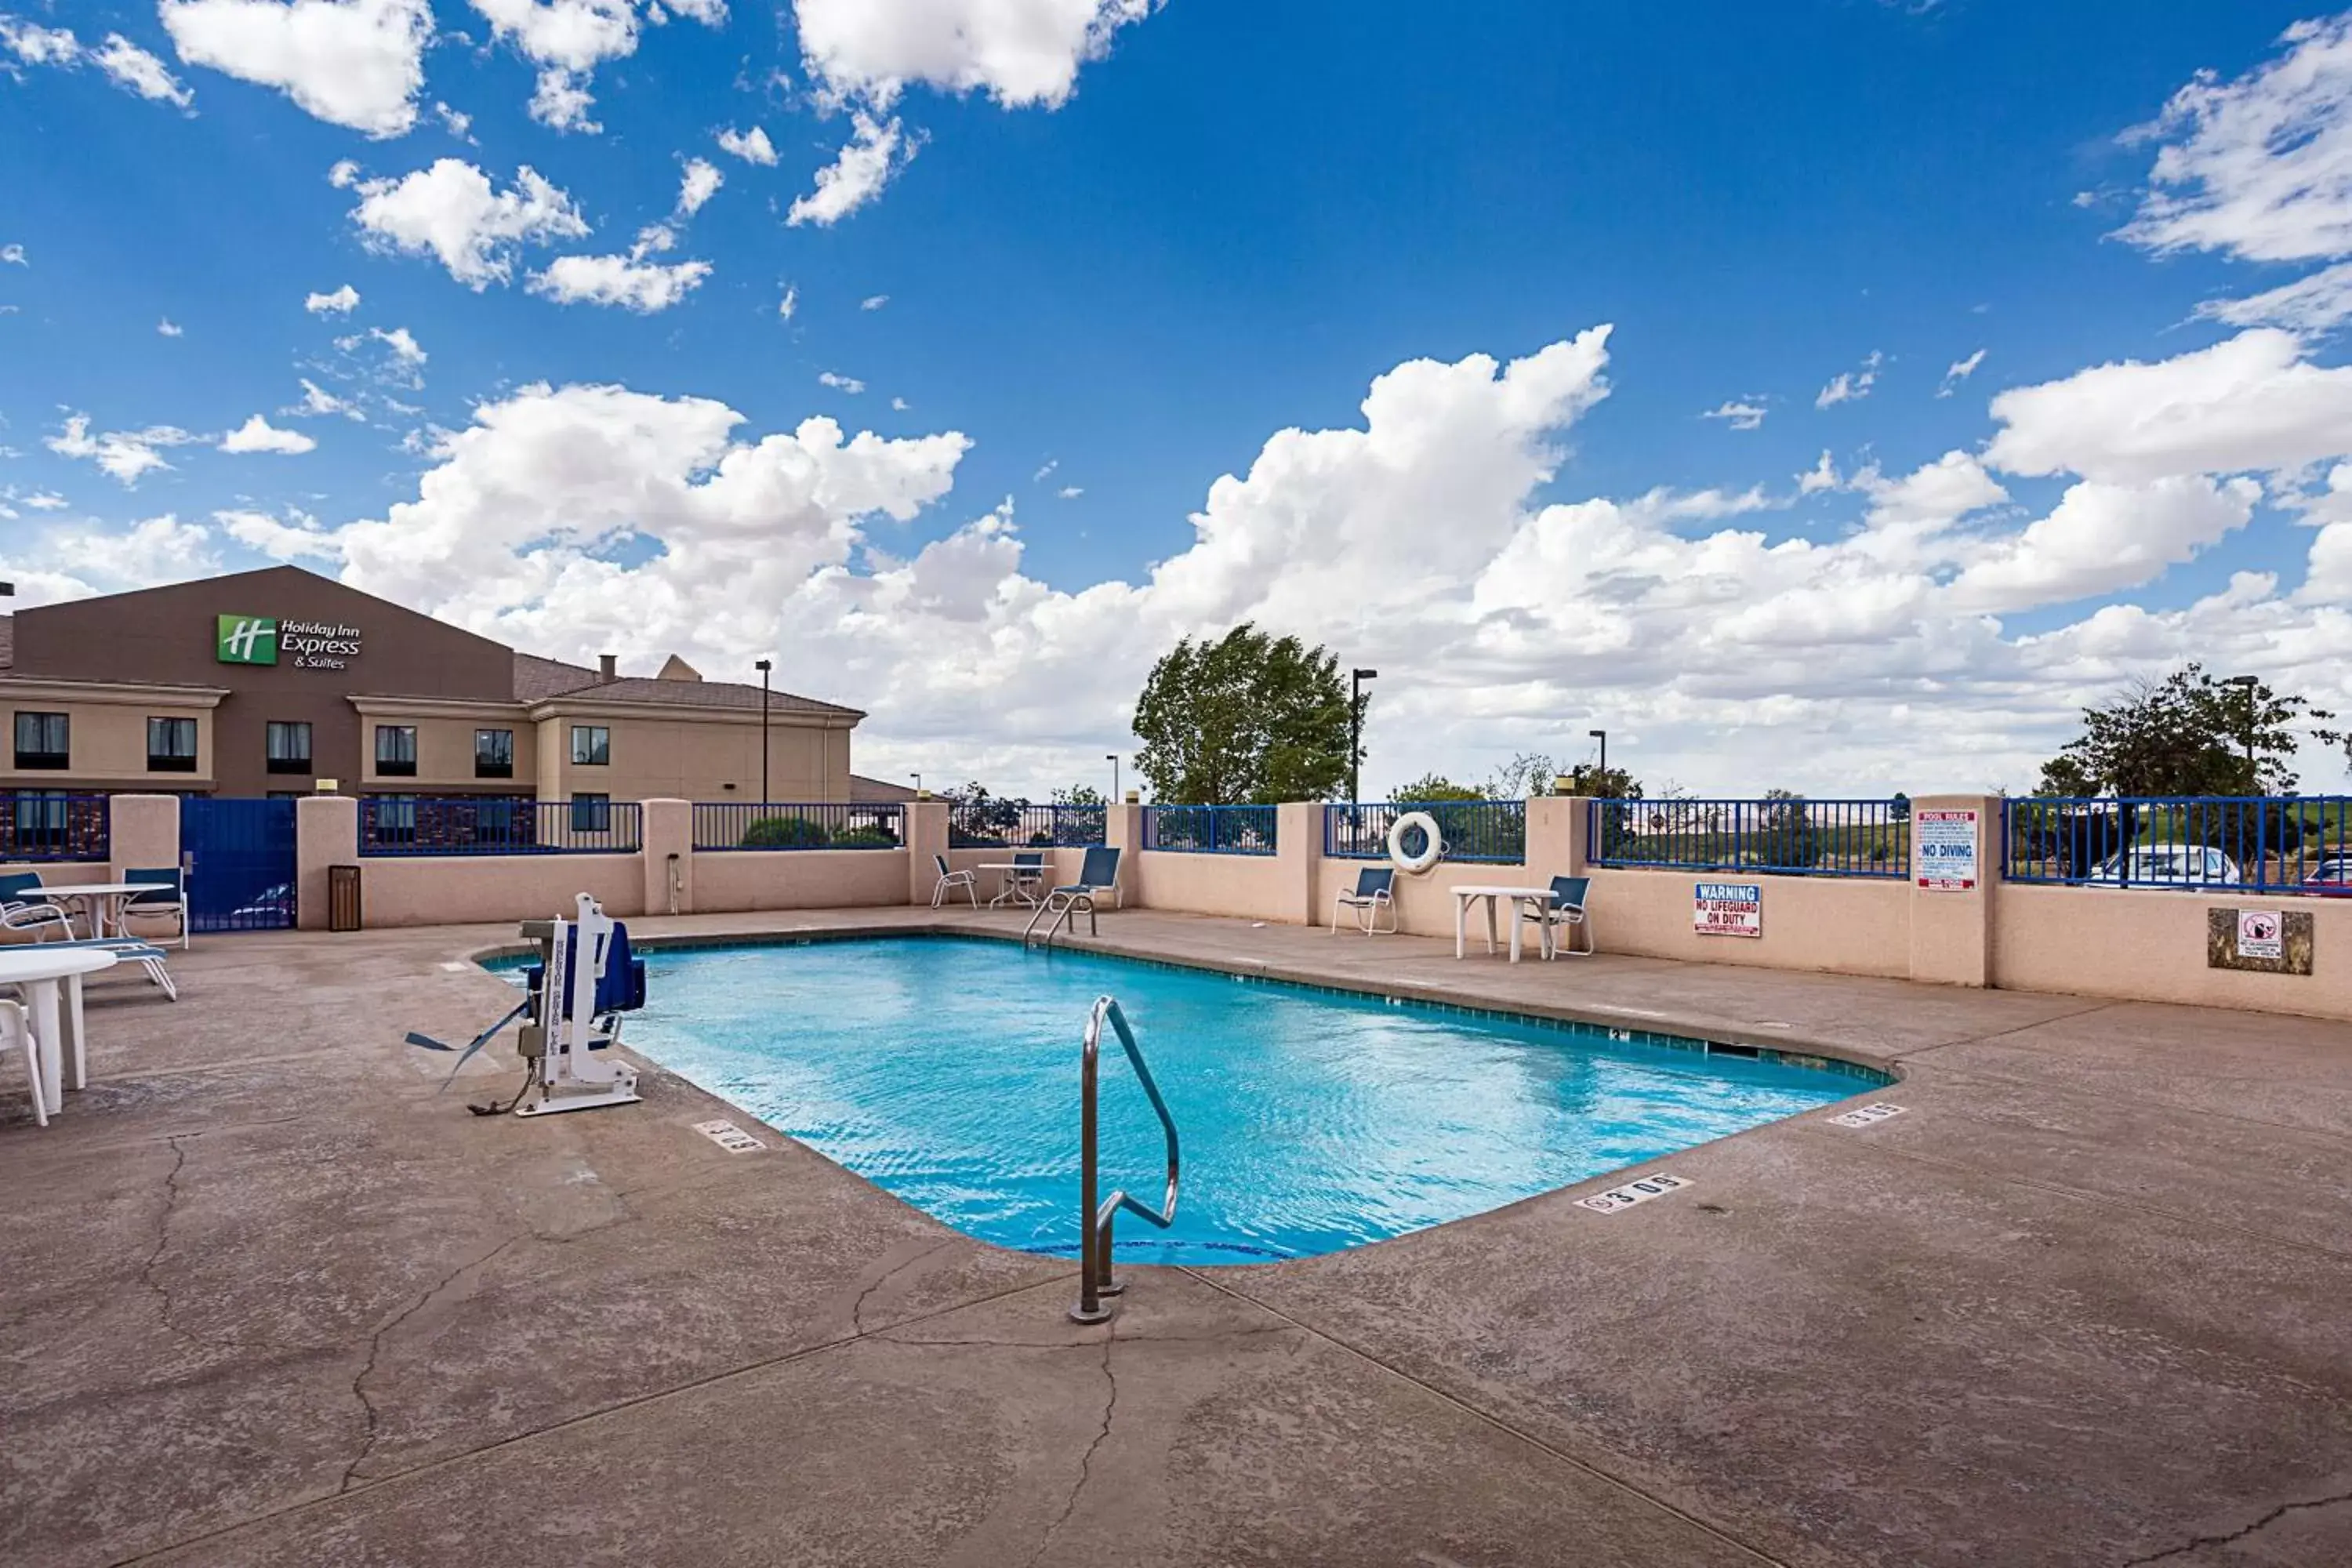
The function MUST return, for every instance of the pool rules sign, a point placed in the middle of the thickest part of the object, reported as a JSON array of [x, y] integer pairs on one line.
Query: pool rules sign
[[1945, 846]]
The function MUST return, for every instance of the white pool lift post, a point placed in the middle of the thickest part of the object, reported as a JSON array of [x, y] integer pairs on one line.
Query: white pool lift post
[[566, 1074]]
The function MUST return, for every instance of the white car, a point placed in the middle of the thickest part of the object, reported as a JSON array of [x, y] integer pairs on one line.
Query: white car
[[2172, 865]]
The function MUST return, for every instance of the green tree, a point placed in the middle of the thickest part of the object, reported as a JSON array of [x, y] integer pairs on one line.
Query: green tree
[[1081, 795], [1246, 719], [1789, 835], [1523, 777], [2186, 734], [1435, 786]]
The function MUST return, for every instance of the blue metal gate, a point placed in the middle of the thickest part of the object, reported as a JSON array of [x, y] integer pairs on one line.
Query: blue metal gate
[[240, 860]]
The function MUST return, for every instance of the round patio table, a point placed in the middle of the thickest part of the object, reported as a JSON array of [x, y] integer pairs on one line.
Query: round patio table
[[42, 968], [98, 898]]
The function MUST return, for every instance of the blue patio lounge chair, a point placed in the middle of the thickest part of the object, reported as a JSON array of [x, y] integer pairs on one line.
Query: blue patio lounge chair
[[130, 950], [950, 881], [1566, 909], [1375, 891], [1097, 875], [22, 909], [171, 905]]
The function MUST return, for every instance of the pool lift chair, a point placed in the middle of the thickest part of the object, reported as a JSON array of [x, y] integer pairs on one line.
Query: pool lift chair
[[585, 979]]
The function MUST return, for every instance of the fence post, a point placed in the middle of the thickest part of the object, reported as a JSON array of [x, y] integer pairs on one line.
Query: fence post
[[1123, 831], [1557, 826], [926, 836], [666, 847], [142, 831], [326, 833], [1952, 929], [1298, 851]]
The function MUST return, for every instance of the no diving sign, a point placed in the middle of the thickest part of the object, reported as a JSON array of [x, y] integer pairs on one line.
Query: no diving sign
[[1945, 846]]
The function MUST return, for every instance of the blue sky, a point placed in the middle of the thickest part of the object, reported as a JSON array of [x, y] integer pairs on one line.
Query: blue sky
[[1135, 243]]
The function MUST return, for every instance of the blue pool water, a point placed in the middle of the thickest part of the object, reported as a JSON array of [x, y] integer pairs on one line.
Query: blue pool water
[[946, 1072]]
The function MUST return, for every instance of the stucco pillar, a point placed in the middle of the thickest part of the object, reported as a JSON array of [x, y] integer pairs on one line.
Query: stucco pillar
[[1123, 831], [1556, 834], [668, 852], [1298, 851], [927, 839], [326, 833], [143, 831], [1951, 928]]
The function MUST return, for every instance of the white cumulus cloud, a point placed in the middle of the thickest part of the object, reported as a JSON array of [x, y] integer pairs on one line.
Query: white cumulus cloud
[[848, 383], [257, 435], [123, 455], [1019, 52], [1740, 414], [875, 150], [699, 183], [342, 302], [752, 146], [450, 211], [1961, 370], [627, 282], [359, 64], [1851, 385]]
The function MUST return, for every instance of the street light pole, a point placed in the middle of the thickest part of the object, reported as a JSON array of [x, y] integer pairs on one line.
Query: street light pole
[[2246, 683], [1356, 678], [1112, 758], [763, 666], [1602, 736]]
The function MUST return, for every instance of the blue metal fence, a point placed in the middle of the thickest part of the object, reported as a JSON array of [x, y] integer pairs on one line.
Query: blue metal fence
[[54, 824], [239, 857], [1490, 832], [1210, 829], [497, 825], [2273, 844], [1793, 836], [995, 824], [751, 825]]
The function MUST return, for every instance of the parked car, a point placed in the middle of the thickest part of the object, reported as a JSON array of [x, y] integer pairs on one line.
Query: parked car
[[2172, 865], [2331, 878], [270, 907]]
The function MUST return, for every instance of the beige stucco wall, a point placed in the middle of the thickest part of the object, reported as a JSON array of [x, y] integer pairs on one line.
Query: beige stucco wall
[[460, 890], [2149, 946], [445, 755], [107, 742], [735, 879], [1239, 887], [1847, 925], [695, 759]]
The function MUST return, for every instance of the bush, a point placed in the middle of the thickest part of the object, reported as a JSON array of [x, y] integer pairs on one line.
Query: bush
[[865, 839], [785, 833]]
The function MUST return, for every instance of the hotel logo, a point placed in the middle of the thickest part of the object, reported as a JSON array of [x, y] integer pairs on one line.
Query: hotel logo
[[248, 640]]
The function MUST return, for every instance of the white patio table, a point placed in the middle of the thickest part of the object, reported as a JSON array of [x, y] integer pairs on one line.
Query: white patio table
[[42, 969], [1012, 878], [97, 899], [1466, 896]]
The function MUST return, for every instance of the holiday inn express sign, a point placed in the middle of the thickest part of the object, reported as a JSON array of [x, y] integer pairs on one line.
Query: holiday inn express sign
[[308, 644]]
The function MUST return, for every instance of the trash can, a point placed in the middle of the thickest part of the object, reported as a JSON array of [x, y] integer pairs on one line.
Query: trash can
[[342, 898]]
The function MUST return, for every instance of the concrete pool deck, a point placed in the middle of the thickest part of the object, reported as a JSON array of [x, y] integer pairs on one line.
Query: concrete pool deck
[[270, 1301]]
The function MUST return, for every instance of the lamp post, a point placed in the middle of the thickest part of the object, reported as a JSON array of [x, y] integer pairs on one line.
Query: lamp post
[[919, 783], [763, 666], [1602, 736], [1112, 758], [1356, 678], [2246, 683]]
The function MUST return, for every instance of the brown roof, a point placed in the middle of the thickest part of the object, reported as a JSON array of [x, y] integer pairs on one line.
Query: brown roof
[[864, 790], [540, 679]]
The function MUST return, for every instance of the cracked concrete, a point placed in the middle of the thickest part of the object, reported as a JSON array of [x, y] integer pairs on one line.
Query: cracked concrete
[[272, 1300]]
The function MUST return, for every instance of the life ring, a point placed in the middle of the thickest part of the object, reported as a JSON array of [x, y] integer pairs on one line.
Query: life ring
[[1433, 847]]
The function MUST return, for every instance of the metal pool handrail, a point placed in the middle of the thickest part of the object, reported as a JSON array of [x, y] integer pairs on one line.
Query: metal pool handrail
[[1095, 1279]]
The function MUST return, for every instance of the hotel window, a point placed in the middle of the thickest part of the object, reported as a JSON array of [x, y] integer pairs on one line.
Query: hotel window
[[388, 819], [591, 813], [591, 745], [38, 820], [493, 753], [170, 745], [395, 750], [289, 746], [43, 740]]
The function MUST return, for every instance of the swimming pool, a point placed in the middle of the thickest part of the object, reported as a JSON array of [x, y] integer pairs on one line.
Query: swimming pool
[[946, 1071]]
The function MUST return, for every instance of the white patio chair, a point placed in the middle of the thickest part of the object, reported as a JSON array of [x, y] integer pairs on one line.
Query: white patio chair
[[950, 881], [21, 908], [17, 1035]]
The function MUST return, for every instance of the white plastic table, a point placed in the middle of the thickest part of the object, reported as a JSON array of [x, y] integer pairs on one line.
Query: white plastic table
[[1012, 869], [41, 969], [1465, 896], [97, 897]]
